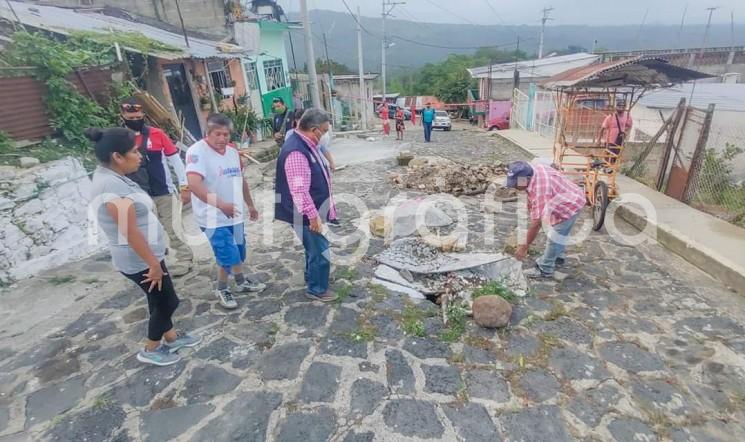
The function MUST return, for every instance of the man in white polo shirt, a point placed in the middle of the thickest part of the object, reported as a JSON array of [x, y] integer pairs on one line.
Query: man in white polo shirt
[[218, 194]]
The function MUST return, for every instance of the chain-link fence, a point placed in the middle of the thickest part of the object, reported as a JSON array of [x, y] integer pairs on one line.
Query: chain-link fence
[[718, 185], [698, 157]]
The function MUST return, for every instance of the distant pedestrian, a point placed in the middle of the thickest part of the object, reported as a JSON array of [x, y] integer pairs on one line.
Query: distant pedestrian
[[400, 123], [154, 177], [282, 120], [615, 129], [413, 115], [219, 193], [428, 117], [555, 202], [384, 115], [304, 199], [125, 214]]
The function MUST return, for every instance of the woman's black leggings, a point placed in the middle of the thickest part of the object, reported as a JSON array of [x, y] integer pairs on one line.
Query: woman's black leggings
[[161, 303]]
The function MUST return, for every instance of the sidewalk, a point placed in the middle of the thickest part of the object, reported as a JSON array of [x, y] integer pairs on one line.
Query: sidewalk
[[713, 245]]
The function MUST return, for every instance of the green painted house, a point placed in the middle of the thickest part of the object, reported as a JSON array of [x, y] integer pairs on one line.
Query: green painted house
[[267, 72]]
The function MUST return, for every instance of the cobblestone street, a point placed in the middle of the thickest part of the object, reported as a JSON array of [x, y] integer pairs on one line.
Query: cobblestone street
[[635, 345]]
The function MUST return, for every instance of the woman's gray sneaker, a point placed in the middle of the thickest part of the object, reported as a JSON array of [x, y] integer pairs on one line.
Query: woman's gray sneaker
[[161, 356], [183, 340]]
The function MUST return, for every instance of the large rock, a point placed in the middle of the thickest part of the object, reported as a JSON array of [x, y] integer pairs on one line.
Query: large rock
[[28, 162], [491, 311]]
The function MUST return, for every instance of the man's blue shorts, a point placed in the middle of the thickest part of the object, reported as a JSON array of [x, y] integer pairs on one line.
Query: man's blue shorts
[[229, 245]]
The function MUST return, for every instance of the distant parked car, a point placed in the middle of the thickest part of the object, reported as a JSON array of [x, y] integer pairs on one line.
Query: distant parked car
[[442, 121], [501, 122]]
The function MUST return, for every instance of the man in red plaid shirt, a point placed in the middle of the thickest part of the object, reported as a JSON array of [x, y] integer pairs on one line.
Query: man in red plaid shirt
[[554, 201]]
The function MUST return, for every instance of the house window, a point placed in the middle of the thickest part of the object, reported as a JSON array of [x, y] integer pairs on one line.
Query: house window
[[275, 75], [253, 76], [220, 74]]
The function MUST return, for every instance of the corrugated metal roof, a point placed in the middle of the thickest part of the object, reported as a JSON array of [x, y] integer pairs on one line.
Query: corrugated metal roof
[[727, 97], [539, 68], [63, 20], [355, 77], [632, 72]]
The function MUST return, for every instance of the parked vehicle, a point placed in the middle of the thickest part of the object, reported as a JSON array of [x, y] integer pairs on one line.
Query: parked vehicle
[[442, 121]]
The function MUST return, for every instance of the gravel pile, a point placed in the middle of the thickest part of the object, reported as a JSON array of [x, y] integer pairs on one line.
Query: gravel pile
[[455, 179]]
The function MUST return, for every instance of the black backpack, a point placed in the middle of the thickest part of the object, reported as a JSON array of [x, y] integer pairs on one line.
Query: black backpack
[[142, 176]]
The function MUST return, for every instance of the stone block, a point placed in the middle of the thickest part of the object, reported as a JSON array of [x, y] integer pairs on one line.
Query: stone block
[[28, 162]]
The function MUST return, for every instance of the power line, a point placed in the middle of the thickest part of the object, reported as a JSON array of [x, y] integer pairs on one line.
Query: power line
[[454, 14], [457, 47], [494, 10], [355, 19]]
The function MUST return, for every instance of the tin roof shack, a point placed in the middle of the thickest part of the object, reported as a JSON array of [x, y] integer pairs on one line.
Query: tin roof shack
[[188, 75], [353, 107], [531, 71]]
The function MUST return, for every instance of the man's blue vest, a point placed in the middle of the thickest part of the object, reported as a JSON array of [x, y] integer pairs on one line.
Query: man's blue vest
[[284, 209]]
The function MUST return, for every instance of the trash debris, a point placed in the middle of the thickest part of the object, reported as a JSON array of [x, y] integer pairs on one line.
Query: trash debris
[[433, 175], [416, 256], [385, 273], [399, 218], [398, 288]]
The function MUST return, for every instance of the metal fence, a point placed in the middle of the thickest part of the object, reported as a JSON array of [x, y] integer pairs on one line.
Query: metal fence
[[697, 157], [520, 117], [718, 186]]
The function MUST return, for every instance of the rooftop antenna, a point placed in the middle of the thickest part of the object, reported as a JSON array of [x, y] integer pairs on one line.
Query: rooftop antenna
[[682, 22], [639, 32], [708, 27], [544, 19], [732, 24]]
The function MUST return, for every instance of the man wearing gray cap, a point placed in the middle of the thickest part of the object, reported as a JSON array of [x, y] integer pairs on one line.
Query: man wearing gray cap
[[553, 201]]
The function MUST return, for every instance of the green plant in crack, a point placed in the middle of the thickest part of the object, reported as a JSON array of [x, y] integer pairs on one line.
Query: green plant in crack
[[412, 321], [379, 293], [60, 280], [456, 324], [348, 273], [342, 294], [557, 312], [497, 288], [365, 333]]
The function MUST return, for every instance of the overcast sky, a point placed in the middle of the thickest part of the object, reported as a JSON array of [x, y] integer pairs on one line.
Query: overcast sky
[[566, 12]]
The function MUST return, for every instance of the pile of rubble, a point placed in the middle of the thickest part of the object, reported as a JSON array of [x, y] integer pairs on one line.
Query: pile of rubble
[[439, 175], [420, 270]]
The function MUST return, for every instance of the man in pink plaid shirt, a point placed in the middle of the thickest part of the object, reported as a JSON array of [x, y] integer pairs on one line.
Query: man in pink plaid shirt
[[304, 198], [553, 201]]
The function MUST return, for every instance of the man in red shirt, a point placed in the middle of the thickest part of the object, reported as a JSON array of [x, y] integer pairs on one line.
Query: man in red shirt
[[553, 201], [154, 177]]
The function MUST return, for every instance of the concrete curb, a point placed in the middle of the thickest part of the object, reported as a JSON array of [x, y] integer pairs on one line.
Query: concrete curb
[[703, 257]]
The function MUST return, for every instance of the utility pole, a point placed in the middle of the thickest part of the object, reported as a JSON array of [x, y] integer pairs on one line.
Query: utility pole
[[516, 74], [309, 55], [292, 51], [361, 70], [388, 6], [181, 19], [708, 27], [331, 78], [544, 19]]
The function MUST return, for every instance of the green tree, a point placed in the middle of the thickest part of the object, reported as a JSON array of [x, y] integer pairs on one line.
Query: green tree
[[336, 68], [449, 80]]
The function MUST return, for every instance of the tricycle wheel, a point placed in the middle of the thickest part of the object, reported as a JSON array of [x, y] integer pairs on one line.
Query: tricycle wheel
[[601, 203]]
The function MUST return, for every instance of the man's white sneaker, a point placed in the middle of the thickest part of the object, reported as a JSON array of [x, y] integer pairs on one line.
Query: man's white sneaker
[[250, 286], [226, 299]]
